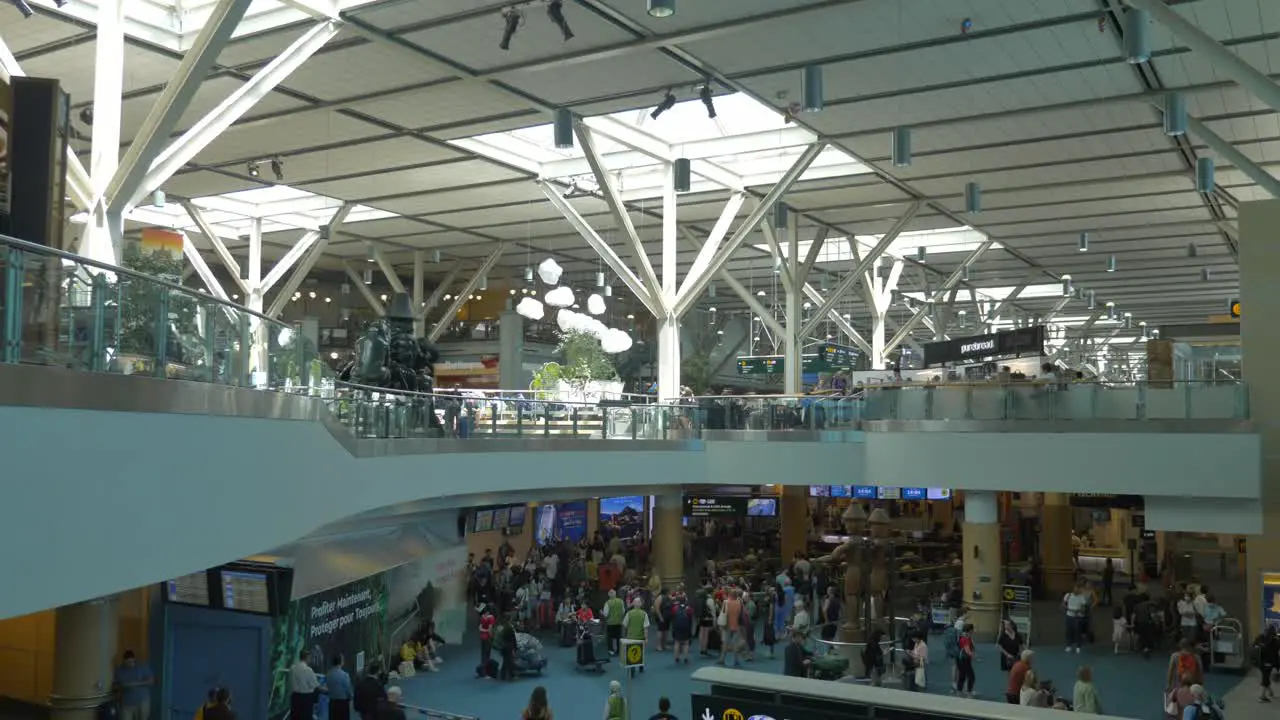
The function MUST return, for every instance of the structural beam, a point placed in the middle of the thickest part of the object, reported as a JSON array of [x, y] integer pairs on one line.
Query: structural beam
[[434, 298], [766, 318], [419, 281], [126, 186], [621, 215], [856, 276], [1228, 63], [606, 253], [994, 314], [648, 145], [388, 270], [781, 263], [702, 261], [452, 311], [1233, 155], [884, 294], [202, 270], [182, 150], [811, 257], [363, 289], [284, 264], [695, 289], [308, 262], [219, 247], [1057, 308], [951, 281], [834, 316]]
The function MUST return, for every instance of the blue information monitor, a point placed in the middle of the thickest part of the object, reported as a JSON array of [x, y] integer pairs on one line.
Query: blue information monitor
[[913, 493], [865, 492], [840, 491]]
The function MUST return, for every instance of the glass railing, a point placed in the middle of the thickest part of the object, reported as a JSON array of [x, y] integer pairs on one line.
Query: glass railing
[[980, 401], [64, 310]]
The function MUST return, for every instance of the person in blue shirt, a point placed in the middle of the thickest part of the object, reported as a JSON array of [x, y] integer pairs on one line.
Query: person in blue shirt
[[338, 686], [134, 679]]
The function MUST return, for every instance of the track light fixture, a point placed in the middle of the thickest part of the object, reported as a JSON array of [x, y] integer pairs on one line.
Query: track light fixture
[[705, 94], [512, 19], [277, 168], [555, 11], [23, 8], [253, 169], [668, 102], [60, 3]]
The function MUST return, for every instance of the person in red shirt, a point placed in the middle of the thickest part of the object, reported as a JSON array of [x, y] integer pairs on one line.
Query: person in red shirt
[[964, 664], [1017, 674], [585, 614], [487, 622]]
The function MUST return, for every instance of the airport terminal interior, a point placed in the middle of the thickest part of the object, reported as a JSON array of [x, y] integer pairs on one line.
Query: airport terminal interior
[[697, 359]]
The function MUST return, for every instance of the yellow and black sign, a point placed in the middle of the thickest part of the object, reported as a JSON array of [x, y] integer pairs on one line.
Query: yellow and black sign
[[1235, 308], [1017, 594], [632, 654], [732, 714]]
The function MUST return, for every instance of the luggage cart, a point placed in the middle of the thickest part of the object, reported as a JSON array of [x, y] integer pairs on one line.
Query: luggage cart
[[941, 617], [1227, 646]]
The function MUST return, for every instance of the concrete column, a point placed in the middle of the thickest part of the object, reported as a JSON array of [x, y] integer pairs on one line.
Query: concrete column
[[1055, 544], [1259, 343], [983, 566], [668, 538], [85, 636], [511, 374], [795, 520]]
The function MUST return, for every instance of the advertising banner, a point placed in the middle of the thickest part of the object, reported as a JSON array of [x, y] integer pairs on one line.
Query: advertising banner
[[561, 520], [350, 619], [431, 589], [622, 517], [1022, 342], [1271, 599]]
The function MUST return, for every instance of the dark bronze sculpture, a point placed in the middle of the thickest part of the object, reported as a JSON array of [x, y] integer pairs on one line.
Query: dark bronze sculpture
[[388, 356]]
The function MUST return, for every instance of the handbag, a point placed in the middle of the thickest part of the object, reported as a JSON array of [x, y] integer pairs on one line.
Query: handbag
[[920, 677], [722, 619], [1170, 705]]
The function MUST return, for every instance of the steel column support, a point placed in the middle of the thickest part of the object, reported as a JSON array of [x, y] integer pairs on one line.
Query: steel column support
[[606, 253], [745, 295], [419, 270], [378, 308], [309, 260], [108, 86], [1230, 64], [835, 317], [870, 282], [452, 311], [198, 137], [254, 280], [129, 184], [702, 261], [793, 369], [749, 225], [854, 277], [884, 293], [219, 247], [284, 264], [434, 298], [951, 281], [620, 214], [669, 359], [388, 270]]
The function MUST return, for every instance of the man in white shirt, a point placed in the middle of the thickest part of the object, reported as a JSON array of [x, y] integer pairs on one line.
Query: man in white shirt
[[1187, 622], [1077, 605], [303, 687], [551, 566]]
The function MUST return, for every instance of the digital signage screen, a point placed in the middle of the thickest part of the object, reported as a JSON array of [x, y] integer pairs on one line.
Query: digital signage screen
[[819, 491], [865, 492], [840, 491], [939, 493], [190, 589], [704, 506], [516, 519], [622, 517], [914, 493], [762, 507]]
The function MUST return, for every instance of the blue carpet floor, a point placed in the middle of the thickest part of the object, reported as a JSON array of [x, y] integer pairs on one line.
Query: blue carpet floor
[[1128, 685]]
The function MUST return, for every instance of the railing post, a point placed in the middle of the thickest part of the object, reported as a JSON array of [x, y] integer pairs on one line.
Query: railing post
[[929, 393], [1242, 401], [162, 333], [300, 347], [494, 411], [243, 356], [1142, 401], [1186, 415], [471, 419], [13, 275], [968, 402], [574, 417], [1006, 403], [98, 328], [635, 426], [210, 312]]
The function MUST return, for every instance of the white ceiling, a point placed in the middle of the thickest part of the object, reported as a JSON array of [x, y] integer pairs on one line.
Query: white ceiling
[[1036, 103]]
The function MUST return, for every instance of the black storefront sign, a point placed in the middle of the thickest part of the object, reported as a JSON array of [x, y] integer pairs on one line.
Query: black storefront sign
[[715, 707], [1103, 501], [704, 506], [1006, 343]]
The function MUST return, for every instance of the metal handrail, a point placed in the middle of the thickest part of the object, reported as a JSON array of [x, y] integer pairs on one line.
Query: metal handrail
[[450, 396], [927, 385], [81, 260]]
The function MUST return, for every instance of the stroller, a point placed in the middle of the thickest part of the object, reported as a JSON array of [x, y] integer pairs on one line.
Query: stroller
[[530, 659], [593, 653]]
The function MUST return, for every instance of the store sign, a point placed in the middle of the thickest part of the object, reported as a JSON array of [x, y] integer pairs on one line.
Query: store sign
[[704, 506], [759, 364], [833, 357], [1271, 598], [1235, 308], [1007, 343], [1105, 501], [828, 358]]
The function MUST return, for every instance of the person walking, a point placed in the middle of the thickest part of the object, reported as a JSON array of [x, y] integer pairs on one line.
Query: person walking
[[965, 677], [487, 624], [681, 628], [135, 681], [615, 706], [1267, 651], [731, 627], [537, 708], [303, 687], [337, 684], [613, 611]]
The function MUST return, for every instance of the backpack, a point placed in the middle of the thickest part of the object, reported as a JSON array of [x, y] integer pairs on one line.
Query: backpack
[[951, 642], [680, 620]]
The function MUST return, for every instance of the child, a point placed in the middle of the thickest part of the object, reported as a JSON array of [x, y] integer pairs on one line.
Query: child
[[1119, 630]]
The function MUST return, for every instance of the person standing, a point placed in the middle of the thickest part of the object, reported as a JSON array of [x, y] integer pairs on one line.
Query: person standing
[[389, 707], [1085, 695], [1010, 644], [135, 681], [221, 708], [487, 623], [613, 611], [636, 624], [664, 710], [1075, 605], [303, 687], [537, 709], [681, 628], [615, 706], [1017, 676], [337, 684], [1267, 649], [732, 640], [369, 692], [965, 677]]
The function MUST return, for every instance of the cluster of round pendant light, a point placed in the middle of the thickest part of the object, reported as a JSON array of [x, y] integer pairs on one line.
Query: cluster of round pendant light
[[563, 299]]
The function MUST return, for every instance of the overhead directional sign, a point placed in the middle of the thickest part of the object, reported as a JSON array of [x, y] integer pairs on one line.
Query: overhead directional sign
[[1235, 308]]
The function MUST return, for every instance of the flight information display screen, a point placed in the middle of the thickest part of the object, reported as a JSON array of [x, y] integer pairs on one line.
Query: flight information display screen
[[245, 591], [190, 589]]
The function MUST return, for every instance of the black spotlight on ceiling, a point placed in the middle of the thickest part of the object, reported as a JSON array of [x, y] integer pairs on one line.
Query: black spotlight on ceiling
[[23, 8], [555, 11], [667, 103], [86, 115], [277, 168], [705, 95], [60, 3], [512, 18], [253, 168]]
